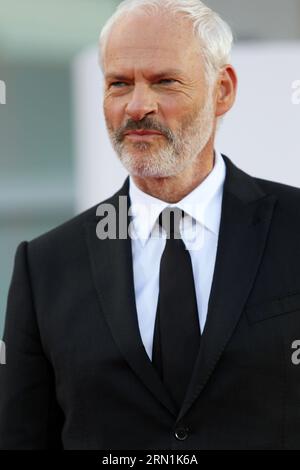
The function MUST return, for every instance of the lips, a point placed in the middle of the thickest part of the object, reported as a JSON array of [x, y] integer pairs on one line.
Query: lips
[[142, 132]]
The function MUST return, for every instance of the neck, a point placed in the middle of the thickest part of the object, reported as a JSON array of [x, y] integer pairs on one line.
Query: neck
[[174, 188]]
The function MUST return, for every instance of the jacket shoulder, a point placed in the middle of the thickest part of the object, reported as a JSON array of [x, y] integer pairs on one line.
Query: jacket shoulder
[[279, 189], [65, 230], [67, 236], [288, 197]]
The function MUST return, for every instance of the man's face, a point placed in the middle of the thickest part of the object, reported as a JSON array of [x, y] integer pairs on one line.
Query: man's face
[[155, 80]]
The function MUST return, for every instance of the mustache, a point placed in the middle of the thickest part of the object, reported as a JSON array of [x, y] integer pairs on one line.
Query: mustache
[[146, 124]]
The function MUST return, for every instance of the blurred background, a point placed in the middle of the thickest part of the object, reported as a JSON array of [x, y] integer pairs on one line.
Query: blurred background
[[39, 42]]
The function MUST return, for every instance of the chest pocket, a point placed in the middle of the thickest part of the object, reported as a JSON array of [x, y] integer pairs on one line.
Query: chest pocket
[[273, 308]]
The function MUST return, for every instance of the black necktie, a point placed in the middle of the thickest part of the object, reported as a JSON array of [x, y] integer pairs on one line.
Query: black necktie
[[177, 332]]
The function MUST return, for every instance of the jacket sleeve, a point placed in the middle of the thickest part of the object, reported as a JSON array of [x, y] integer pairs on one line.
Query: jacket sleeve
[[30, 417]]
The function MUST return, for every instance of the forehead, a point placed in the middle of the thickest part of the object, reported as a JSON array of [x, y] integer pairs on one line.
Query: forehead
[[145, 40]]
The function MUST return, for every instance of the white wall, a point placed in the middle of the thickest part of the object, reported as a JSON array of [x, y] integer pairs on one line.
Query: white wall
[[261, 134], [262, 131]]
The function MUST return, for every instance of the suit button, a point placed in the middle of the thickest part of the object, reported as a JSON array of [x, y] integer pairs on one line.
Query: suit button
[[182, 433]]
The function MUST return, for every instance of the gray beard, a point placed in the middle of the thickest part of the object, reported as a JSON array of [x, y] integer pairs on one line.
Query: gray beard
[[173, 157]]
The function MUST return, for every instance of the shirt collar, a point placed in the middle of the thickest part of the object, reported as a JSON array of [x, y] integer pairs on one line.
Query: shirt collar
[[203, 203]]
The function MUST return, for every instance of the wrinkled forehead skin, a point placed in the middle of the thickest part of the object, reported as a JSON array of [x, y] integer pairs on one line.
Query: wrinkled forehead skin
[[153, 42]]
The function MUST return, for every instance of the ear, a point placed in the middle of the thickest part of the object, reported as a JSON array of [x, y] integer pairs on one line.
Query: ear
[[226, 90]]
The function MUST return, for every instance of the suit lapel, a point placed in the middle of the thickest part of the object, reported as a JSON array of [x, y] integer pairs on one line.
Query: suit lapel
[[245, 221], [111, 262]]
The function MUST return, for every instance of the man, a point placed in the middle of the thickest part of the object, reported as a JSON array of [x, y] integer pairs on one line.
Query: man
[[173, 338]]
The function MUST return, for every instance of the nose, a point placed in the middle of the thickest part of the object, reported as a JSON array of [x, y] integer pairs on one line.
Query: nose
[[142, 102]]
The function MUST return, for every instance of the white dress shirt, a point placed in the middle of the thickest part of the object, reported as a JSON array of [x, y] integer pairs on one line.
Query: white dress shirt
[[199, 232]]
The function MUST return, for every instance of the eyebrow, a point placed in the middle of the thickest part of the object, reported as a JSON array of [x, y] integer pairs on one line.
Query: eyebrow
[[117, 76]]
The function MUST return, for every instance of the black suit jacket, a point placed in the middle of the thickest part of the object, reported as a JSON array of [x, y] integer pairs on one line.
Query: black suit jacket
[[78, 376]]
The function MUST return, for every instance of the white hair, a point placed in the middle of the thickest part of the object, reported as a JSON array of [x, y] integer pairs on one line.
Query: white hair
[[214, 34]]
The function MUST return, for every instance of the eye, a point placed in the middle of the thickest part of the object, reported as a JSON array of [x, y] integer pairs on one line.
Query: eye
[[115, 84], [168, 80]]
